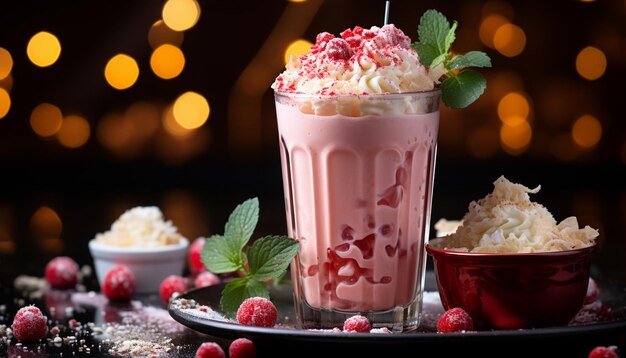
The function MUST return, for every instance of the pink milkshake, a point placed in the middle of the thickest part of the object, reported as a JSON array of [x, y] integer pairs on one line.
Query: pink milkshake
[[358, 119]]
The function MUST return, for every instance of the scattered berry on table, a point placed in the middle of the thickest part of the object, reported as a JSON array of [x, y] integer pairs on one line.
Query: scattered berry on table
[[455, 320], [29, 324], [210, 350], [119, 284], [195, 262], [357, 324], [171, 284], [242, 348], [604, 352], [593, 291], [257, 311], [62, 272], [205, 279]]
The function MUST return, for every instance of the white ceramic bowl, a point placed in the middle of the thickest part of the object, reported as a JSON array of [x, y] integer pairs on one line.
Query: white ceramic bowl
[[149, 265]]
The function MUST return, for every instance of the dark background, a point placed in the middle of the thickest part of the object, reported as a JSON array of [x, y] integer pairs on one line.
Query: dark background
[[232, 56]]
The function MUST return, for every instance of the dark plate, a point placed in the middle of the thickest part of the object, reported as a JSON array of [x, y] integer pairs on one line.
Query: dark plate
[[574, 338]]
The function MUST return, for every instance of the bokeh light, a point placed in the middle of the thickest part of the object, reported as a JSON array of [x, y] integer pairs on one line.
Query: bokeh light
[[74, 132], [43, 49], [6, 63], [5, 102], [591, 63], [191, 110], [7, 83], [46, 120], [181, 15], [297, 48], [515, 138], [513, 108], [498, 7], [45, 223], [167, 61], [587, 131], [171, 125], [121, 72], [161, 34], [488, 28], [509, 40]]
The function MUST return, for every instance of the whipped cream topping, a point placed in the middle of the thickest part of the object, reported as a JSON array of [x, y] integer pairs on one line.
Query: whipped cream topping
[[506, 221], [361, 61], [140, 227]]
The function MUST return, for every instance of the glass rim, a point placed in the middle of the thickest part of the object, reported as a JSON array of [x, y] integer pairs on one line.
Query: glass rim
[[387, 95]]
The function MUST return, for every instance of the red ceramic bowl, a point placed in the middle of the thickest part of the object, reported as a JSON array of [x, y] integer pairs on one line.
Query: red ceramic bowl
[[513, 291]]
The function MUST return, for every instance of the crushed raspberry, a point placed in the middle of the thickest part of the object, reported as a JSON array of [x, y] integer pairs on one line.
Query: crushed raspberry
[[257, 311], [119, 284], [366, 245], [210, 350], [358, 30], [171, 284], [54, 330], [193, 256], [593, 291], [62, 272], [242, 348], [29, 324], [346, 34], [323, 38], [604, 352], [357, 324], [73, 323], [455, 320], [347, 234], [338, 49], [205, 279]]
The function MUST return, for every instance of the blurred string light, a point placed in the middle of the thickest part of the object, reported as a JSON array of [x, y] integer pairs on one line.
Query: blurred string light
[[488, 28], [7, 83], [509, 40], [587, 131], [591, 63], [181, 15], [127, 134], [171, 125], [191, 110], [167, 61], [5, 102], [513, 108], [46, 227], [515, 138], [43, 49], [297, 48], [6, 63], [46, 120], [121, 72], [74, 131], [161, 34]]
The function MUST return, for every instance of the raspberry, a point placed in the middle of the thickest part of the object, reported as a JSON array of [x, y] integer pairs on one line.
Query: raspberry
[[119, 284], [604, 352], [29, 324], [205, 279], [593, 291], [210, 350], [62, 272], [338, 49], [257, 311], [357, 324], [323, 37], [242, 348], [171, 284], [195, 262], [455, 320]]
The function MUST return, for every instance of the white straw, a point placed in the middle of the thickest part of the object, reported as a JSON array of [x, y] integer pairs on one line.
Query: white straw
[[386, 12]]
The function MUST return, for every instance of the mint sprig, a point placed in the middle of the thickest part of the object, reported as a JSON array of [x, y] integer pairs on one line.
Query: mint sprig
[[265, 261], [460, 87]]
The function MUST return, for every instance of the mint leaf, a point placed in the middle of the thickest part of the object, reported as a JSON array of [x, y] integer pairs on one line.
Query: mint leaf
[[433, 30], [241, 224], [237, 290], [463, 89], [427, 53], [269, 256], [450, 37], [218, 256], [439, 60], [470, 59]]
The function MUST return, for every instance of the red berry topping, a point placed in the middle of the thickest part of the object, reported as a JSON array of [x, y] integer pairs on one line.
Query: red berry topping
[[604, 352], [593, 291], [257, 311], [455, 320], [323, 38], [242, 348], [29, 324], [195, 262], [357, 324], [171, 284], [205, 279], [119, 284], [62, 272], [338, 49], [210, 350]]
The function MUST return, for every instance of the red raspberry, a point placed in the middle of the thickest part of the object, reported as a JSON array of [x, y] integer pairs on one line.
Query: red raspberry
[[205, 279], [257, 311], [210, 350], [195, 262], [242, 348], [29, 324], [455, 320], [357, 324], [358, 30], [338, 49], [604, 352], [171, 284], [119, 284], [346, 34], [593, 291], [323, 37], [62, 272]]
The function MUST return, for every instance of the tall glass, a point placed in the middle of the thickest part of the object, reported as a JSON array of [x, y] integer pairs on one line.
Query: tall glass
[[358, 175]]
